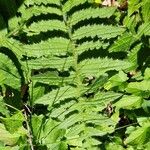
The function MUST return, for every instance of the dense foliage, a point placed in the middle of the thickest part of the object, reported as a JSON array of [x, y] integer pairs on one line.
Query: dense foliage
[[74, 75]]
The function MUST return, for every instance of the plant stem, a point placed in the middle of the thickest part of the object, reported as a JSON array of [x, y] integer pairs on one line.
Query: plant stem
[[29, 132]]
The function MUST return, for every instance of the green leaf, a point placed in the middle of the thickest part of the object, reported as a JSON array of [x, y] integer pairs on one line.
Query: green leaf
[[133, 6], [95, 67], [3, 108], [11, 139], [12, 45], [143, 29], [111, 146], [91, 45], [101, 31], [45, 2], [6, 137], [8, 72], [129, 102], [57, 95], [139, 88], [123, 43], [53, 46], [44, 26], [140, 136], [133, 55], [147, 73], [116, 80], [145, 11], [91, 13], [36, 92], [13, 123], [51, 62], [37, 126], [38, 10], [70, 4], [58, 146]]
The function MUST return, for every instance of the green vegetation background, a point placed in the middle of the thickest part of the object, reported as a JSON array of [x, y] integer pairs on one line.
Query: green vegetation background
[[74, 75]]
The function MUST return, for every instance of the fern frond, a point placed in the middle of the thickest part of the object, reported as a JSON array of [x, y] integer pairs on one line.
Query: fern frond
[[54, 46], [91, 46], [98, 66], [101, 31], [96, 104], [44, 26], [91, 13], [129, 102], [133, 54], [83, 116], [57, 95], [52, 78], [51, 62], [38, 10], [86, 117], [139, 88], [143, 29], [9, 73], [75, 131], [82, 135], [104, 98], [39, 2], [72, 3], [145, 11], [63, 110], [123, 43], [13, 45], [91, 131]]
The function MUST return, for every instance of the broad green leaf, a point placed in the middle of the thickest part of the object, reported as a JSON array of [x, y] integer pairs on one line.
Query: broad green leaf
[[143, 120], [140, 136], [6, 137], [11, 139], [139, 88], [116, 80], [13, 123], [129, 102]]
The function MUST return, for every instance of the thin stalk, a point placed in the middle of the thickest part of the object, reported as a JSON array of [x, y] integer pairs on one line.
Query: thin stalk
[[29, 132]]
